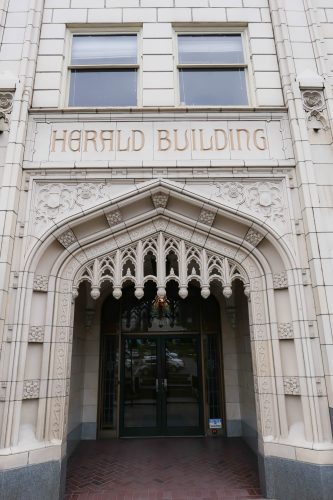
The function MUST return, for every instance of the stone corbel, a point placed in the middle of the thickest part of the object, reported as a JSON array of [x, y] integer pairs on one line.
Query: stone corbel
[[312, 85], [7, 89]]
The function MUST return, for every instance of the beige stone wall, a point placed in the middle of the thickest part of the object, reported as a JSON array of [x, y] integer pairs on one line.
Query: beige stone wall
[[273, 207]]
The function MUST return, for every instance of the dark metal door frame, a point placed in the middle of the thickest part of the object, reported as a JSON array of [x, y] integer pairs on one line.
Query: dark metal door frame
[[161, 428]]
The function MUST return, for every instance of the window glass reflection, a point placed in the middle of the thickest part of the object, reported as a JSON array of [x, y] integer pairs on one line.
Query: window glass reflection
[[210, 49], [104, 49], [216, 87], [103, 87]]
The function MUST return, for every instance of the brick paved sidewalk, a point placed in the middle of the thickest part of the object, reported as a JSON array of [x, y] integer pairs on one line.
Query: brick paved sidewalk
[[169, 469]]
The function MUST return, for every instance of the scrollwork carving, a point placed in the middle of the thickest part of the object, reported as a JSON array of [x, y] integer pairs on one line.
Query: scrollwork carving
[[265, 199], [54, 200]]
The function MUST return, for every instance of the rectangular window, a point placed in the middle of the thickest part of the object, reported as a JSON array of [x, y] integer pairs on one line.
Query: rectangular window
[[103, 70], [212, 70]]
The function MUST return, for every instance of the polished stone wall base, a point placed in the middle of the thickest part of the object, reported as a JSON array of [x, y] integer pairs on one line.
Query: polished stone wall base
[[45, 481], [284, 479]]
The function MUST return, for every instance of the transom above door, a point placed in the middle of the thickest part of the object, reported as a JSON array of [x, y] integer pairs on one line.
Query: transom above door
[[161, 393]]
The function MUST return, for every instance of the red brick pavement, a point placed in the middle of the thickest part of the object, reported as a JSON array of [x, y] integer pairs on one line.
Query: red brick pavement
[[163, 469]]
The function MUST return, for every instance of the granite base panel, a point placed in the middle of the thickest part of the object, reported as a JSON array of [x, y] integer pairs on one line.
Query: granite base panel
[[34, 482], [283, 479]]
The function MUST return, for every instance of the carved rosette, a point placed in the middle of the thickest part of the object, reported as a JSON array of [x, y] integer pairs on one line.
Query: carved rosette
[[253, 237], [6, 105], [285, 331], [114, 218], [280, 280], [40, 283], [291, 386], [207, 217], [36, 334], [31, 389], [67, 239], [314, 106], [160, 200]]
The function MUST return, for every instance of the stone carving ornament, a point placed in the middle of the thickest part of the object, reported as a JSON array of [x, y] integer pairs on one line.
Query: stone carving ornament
[[6, 105], [314, 106], [285, 331], [280, 280], [291, 386], [53, 200], [207, 217], [114, 218], [36, 334], [31, 389], [41, 283], [189, 263], [160, 200], [253, 237], [67, 238], [263, 198]]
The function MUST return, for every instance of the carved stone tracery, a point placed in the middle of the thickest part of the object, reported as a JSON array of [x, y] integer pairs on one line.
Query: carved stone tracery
[[189, 262]]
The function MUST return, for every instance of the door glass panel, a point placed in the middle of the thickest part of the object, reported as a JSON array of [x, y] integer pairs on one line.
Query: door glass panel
[[182, 382], [142, 316], [140, 396], [213, 393], [109, 382]]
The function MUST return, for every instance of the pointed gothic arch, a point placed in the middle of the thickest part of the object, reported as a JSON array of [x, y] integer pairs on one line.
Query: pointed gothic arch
[[93, 247]]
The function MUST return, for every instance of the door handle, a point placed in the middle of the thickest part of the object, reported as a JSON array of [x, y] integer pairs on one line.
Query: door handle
[[165, 384], [156, 385]]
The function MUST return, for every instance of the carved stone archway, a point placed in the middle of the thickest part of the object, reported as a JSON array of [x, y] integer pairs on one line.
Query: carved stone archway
[[201, 257], [108, 242]]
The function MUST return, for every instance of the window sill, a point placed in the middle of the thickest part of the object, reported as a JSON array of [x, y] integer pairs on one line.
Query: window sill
[[162, 109]]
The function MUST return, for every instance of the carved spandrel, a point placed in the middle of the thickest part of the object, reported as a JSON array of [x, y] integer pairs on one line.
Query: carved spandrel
[[264, 199]]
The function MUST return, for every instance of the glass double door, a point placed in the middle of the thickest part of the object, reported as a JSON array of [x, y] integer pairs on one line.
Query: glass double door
[[161, 393]]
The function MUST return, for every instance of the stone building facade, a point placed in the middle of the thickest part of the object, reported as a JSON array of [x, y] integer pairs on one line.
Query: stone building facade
[[183, 145]]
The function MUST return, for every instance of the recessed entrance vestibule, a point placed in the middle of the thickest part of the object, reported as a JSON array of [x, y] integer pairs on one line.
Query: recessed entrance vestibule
[[177, 367], [160, 365]]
